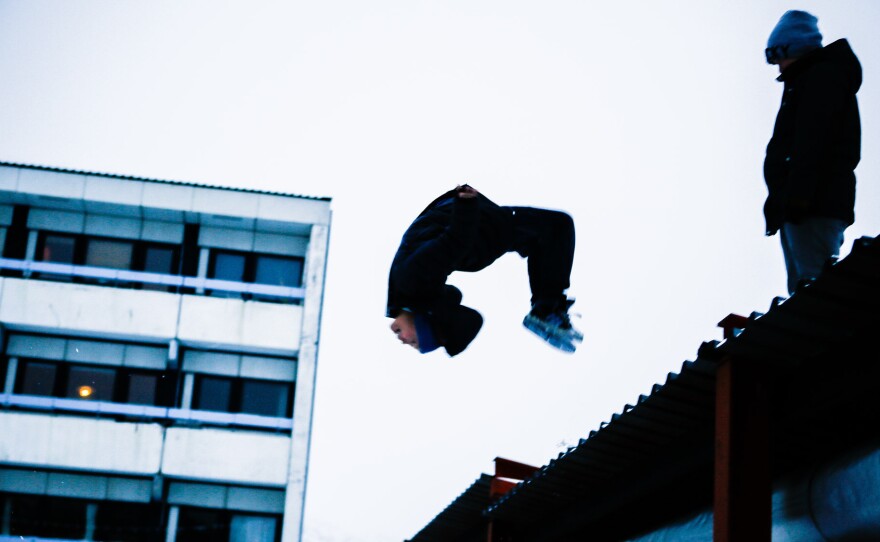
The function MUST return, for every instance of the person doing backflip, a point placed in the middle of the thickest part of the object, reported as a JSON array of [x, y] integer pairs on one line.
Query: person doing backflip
[[462, 230]]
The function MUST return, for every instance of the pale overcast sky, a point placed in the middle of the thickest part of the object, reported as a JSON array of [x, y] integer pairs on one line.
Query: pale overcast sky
[[645, 120]]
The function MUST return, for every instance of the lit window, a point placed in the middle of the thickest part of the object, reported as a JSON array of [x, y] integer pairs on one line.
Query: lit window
[[107, 253], [58, 248], [90, 383], [279, 271], [264, 398]]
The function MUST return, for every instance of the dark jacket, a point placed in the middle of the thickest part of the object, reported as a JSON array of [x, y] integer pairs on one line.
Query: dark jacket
[[451, 234], [816, 140]]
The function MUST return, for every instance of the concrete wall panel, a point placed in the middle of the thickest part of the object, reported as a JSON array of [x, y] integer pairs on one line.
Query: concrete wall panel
[[226, 456], [86, 309], [209, 322], [79, 443], [51, 183], [8, 178], [287, 209]]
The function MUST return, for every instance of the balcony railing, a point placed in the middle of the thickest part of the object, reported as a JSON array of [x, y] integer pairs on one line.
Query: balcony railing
[[98, 408], [121, 276]]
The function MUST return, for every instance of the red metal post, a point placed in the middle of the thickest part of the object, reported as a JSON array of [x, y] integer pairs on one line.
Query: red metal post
[[514, 472], [743, 488]]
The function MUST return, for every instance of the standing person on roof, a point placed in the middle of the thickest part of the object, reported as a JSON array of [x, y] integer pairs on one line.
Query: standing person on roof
[[462, 230], [815, 147]]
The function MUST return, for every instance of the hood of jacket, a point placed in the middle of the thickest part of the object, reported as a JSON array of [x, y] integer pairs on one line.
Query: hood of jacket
[[838, 53]]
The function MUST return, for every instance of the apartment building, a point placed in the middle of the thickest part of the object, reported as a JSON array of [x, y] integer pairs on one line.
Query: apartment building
[[159, 349]]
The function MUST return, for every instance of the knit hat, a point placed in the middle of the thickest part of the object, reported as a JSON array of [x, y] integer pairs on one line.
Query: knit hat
[[425, 331], [796, 33], [451, 325]]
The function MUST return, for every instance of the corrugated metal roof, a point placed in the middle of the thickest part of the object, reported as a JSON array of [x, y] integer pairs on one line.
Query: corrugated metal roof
[[463, 519], [146, 179], [653, 462]]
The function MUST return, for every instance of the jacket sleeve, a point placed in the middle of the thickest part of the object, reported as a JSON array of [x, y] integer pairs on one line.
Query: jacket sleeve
[[823, 96], [423, 272]]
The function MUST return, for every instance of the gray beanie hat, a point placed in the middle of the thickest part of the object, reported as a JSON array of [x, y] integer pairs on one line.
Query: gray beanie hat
[[796, 33]]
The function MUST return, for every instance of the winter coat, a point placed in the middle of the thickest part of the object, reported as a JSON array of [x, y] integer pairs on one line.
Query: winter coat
[[451, 234], [816, 140]]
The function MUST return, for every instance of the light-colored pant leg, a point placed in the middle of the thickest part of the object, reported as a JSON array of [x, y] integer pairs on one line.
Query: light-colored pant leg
[[808, 245]]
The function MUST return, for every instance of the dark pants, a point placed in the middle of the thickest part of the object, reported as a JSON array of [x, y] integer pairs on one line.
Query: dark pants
[[546, 238]]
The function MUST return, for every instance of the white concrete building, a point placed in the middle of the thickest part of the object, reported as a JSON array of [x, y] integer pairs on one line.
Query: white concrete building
[[159, 345]]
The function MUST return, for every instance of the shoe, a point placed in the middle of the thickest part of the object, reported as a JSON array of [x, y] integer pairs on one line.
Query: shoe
[[554, 328]]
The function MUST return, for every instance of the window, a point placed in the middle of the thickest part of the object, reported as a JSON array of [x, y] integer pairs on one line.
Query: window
[[254, 268], [229, 266], [90, 383], [279, 271], [48, 517], [128, 522], [58, 248], [264, 398], [246, 528], [260, 397], [208, 525], [142, 389], [213, 393], [109, 253], [202, 525], [36, 378]]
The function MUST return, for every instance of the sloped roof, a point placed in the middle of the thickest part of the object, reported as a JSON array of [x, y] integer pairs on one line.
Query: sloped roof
[[653, 462], [463, 519]]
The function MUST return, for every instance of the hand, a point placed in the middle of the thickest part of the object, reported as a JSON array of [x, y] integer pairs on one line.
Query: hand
[[466, 192]]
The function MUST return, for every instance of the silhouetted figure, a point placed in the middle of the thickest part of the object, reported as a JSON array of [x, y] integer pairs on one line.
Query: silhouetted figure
[[815, 145]]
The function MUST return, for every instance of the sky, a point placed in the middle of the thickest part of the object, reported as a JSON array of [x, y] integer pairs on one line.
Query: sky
[[646, 121]]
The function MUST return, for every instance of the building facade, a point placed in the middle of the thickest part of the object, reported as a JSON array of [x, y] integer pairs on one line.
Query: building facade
[[159, 350]]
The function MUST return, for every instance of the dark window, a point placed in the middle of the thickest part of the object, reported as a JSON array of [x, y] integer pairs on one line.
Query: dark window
[[58, 248], [36, 378], [48, 517], [202, 525], [254, 268], [4, 371], [260, 397], [264, 398], [128, 522], [279, 271], [213, 393], [90, 383], [109, 253], [228, 266], [159, 259], [142, 389]]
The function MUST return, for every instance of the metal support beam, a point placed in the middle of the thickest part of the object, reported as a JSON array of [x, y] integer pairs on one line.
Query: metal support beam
[[743, 489], [171, 528]]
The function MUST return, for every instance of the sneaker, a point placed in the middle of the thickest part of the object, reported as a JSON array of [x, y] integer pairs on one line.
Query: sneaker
[[555, 329]]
